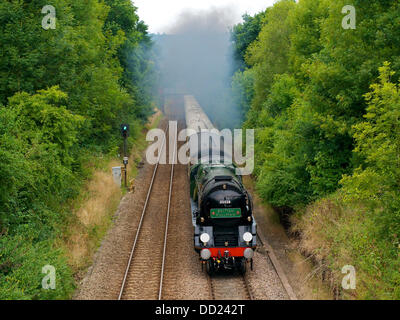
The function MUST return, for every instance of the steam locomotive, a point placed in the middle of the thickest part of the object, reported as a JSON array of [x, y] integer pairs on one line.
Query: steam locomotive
[[222, 209]]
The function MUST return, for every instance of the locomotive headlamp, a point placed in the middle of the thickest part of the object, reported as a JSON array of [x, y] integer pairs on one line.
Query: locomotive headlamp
[[205, 254], [247, 236], [248, 253], [205, 237]]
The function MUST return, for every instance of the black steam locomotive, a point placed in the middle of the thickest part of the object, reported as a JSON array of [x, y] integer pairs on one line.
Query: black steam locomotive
[[225, 233]]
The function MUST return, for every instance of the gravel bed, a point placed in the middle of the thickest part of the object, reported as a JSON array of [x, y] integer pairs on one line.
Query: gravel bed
[[264, 281]]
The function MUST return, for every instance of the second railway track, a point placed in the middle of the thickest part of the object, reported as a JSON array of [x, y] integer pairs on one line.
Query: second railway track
[[144, 273]]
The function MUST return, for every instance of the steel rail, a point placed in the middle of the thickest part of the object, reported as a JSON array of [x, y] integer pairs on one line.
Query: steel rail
[[211, 287], [247, 285], [142, 218], [168, 213]]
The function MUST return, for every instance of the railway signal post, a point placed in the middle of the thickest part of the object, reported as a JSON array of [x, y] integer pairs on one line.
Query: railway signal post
[[125, 135]]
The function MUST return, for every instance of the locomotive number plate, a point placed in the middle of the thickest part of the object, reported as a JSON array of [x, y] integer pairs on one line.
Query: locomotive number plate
[[225, 213]]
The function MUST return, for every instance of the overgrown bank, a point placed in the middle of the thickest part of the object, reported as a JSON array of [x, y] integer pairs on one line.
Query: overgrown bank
[[94, 210], [325, 104], [63, 94]]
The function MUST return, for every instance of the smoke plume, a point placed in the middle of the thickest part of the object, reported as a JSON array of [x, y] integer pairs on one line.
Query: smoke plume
[[196, 58]]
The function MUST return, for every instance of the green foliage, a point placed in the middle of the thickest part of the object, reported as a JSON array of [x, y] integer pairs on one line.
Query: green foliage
[[243, 90], [318, 128], [309, 78], [63, 95], [268, 55], [37, 132], [44, 119], [377, 181], [135, 55], [21, 263], [243, 34]]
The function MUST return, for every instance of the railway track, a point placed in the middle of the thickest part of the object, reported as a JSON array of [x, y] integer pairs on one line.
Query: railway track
[[236, 287], [151, 272], [151, 253], [229, 287], [144, 274]]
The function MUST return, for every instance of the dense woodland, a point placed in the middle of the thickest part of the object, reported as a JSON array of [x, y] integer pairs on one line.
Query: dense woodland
[[326, 105], [63, 94]]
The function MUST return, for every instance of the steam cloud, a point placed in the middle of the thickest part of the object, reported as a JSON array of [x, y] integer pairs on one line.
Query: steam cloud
[[214, 20], [196, 58]]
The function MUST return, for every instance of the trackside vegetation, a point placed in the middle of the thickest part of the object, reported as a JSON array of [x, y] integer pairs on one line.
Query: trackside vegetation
[[63, 94], [325, 103]]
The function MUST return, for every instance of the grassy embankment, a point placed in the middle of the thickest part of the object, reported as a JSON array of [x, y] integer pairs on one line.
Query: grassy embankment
[[94, 209], [334, 235], [299, 269]]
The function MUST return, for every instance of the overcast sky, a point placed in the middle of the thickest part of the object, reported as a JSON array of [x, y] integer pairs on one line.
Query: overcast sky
[[161, 15]]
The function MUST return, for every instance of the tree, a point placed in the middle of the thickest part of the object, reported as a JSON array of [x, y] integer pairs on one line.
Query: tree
[[243, 34], [377, 180]]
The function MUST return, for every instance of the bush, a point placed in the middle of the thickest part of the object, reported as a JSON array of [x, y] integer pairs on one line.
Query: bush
[[21, 263], [63, 95], [36, 134], [376, 183]]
